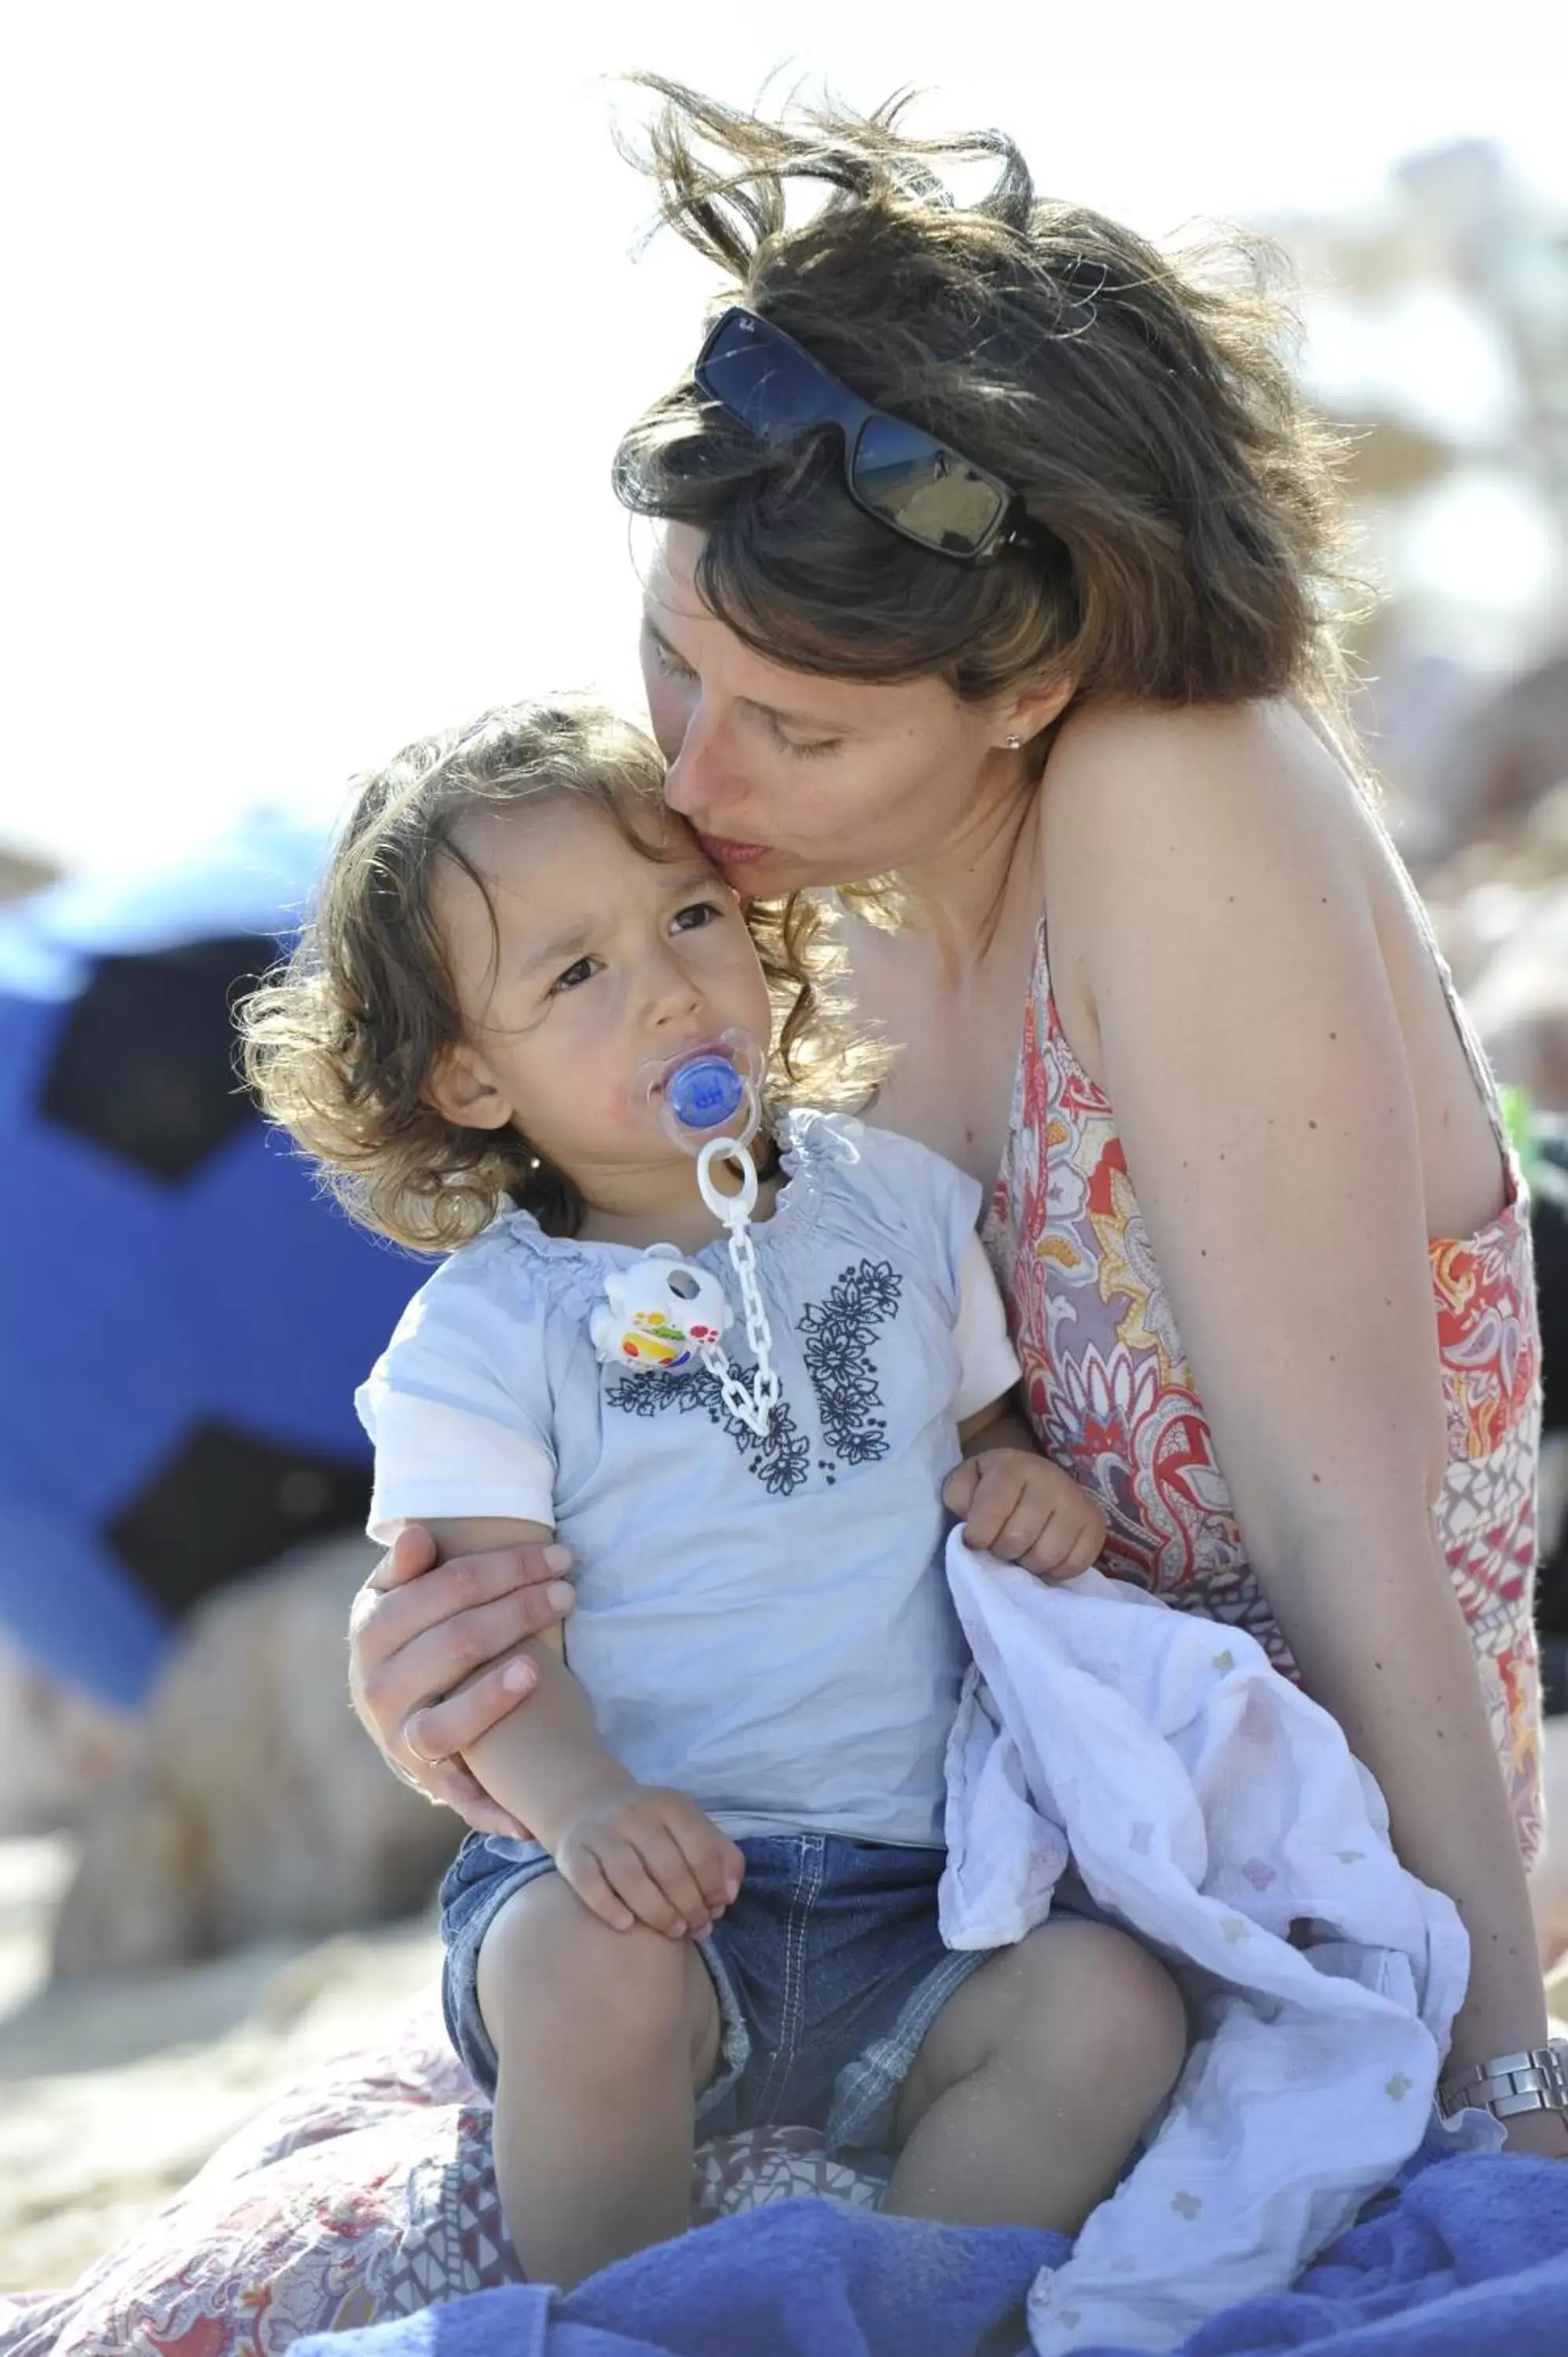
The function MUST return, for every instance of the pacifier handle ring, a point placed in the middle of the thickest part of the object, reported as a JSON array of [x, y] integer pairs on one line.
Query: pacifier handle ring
[[732, 1210]]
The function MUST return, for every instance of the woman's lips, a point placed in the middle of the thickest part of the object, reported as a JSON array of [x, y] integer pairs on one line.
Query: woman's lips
[[731, 854]]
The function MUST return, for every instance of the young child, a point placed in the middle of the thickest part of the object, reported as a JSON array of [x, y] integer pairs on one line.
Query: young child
[[734, 1771]]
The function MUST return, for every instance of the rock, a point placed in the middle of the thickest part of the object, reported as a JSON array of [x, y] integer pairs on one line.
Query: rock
[[59, 1746], [252, 1805]]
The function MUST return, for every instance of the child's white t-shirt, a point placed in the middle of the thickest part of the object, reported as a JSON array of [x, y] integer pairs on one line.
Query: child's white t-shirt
[[763, 1623]]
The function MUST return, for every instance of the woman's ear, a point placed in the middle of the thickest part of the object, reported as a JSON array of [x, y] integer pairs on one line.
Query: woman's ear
[[463, 1093], [1023, 714]]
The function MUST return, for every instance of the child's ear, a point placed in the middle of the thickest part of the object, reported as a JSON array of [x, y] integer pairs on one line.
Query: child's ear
[[462, 1092]]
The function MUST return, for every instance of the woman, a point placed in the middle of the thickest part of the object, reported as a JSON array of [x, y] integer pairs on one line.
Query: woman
[[1032, 659]]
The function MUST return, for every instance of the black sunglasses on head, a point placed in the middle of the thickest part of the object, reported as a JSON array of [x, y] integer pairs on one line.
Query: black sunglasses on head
[[897, 472]]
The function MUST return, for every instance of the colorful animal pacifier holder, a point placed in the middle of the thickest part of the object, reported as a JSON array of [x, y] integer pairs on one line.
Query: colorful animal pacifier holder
[[658, 1313]]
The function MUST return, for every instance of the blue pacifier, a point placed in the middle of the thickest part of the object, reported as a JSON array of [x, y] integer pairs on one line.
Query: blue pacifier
[[697, 1095], [705, 1093]]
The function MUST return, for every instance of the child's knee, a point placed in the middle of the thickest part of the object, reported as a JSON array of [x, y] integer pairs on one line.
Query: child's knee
[[550, 1971], [1124, 2014]]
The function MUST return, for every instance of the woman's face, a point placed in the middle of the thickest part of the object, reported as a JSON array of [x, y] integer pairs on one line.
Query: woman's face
[[793, 779]]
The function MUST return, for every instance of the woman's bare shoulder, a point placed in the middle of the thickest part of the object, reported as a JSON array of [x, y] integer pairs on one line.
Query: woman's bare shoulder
[[1131, 753], [1248, 786], [1158, 821]]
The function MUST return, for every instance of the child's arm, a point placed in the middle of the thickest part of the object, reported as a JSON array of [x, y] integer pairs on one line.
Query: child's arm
[[1015, 1504], [631, 1851]]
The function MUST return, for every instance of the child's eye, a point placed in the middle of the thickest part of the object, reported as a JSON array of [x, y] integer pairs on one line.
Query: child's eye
[[695, 915], [574, 976]]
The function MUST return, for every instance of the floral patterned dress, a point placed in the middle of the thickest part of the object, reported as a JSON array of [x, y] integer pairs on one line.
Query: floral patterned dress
[[1112, 1397]]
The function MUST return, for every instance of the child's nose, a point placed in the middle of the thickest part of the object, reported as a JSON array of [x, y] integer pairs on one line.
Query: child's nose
[[673, 993]]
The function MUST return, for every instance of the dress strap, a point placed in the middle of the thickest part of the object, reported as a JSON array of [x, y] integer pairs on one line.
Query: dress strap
[[1481, 1072]]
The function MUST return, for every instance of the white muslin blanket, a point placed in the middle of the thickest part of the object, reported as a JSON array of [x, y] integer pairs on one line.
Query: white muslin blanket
[[1208, 1805]]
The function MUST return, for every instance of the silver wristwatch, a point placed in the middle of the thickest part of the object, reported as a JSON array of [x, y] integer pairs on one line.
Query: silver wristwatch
[[1512, 2084]]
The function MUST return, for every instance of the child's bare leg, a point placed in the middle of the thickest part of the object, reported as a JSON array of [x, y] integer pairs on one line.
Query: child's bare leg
[[1036, 2081], [603, 2038]]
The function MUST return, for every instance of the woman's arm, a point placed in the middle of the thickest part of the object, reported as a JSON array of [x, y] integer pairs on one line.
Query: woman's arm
[[1225, 959]]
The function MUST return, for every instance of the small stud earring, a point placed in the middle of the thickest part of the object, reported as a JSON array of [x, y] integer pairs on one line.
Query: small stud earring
[[1014, 744]]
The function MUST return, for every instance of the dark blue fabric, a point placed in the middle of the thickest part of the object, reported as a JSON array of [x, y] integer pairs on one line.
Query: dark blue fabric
[[1471, 2258], [140, 1309]]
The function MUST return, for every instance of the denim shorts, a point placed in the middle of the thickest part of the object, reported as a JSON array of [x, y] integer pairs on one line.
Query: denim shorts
[[829, 1970]]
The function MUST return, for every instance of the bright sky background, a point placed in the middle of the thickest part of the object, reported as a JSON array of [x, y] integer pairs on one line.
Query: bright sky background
[[321, 318]]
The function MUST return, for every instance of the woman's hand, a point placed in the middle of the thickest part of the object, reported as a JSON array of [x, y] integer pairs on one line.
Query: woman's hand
[[427, 1673]]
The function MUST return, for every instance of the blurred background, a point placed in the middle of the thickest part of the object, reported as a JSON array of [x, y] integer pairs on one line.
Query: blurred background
[[321, 323]]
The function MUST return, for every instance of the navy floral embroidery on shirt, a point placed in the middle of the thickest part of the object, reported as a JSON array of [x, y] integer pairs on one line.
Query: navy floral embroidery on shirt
[[839, 1333], [780, 1462]]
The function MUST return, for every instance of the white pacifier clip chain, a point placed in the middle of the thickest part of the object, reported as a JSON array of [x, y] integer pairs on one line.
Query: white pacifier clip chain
[[754, 1408]]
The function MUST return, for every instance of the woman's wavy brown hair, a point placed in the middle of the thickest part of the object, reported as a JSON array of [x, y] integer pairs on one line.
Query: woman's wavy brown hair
[[1183, 502], [340, 1042]]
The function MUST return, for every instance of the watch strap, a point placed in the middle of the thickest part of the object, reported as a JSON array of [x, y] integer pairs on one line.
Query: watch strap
[[1534, 2080]]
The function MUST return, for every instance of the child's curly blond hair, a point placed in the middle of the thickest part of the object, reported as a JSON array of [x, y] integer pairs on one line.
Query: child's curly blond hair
[[340, 1042]]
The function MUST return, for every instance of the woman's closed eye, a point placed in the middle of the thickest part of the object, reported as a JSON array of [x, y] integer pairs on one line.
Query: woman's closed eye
[[668, 661], [808, 751]]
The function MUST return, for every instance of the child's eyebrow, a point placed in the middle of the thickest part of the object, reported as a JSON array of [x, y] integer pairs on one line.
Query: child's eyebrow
[[564, 947], [561, 948]]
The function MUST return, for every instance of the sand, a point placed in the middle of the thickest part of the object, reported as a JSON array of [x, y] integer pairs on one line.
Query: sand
[[113, 2093]]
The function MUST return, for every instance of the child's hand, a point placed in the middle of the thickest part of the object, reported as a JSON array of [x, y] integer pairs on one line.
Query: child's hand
[[640, 1854], [1028, 1510]]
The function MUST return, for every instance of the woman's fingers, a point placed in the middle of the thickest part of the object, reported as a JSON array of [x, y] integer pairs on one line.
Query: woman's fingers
[[438, 1730], [411, 1554], [387, 1618], [403, 1656]]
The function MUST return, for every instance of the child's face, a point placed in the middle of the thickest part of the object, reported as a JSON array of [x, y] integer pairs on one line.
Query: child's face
[[599, 959]]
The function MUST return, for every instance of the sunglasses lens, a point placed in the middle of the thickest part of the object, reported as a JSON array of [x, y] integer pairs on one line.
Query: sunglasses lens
[[926, 492], [772, 389]]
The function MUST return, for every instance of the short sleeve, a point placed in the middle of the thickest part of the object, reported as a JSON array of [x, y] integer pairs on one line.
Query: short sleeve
[[988, 1364], [935, 1206], [920, 1195], [458, 1406]]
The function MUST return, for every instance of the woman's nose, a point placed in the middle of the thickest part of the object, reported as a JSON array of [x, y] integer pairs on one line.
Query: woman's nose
[[689, 781]]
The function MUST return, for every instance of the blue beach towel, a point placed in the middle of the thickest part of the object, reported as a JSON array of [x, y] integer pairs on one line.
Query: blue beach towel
[[1470, 2258]]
